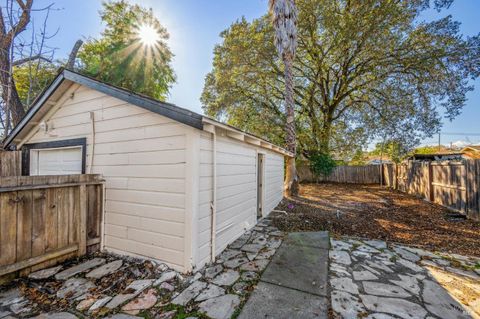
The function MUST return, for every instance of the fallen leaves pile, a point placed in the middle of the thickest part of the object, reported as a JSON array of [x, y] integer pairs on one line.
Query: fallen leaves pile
[[371, 211]]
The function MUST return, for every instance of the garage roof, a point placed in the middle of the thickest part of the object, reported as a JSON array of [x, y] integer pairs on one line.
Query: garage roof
[[66, 78]]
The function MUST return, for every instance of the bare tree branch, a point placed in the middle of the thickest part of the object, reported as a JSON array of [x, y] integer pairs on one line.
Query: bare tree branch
[[31, 58]]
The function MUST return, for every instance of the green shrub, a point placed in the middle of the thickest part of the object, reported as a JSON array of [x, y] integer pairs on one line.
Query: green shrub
[[321, 164]]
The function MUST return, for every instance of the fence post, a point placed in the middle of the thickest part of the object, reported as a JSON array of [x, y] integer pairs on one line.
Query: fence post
[[381, 173], [431, 196], [395, 181], [82, 242], [472, 204]]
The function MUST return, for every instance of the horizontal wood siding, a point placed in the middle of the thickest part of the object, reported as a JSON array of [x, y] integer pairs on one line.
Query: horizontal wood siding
[[274, 171], [204, 199], [236, 190], [142, 158]]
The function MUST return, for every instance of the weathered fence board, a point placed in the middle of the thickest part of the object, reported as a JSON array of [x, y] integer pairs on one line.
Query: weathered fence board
[[451, 184], [368, 174], [10, 163], [44, 219]]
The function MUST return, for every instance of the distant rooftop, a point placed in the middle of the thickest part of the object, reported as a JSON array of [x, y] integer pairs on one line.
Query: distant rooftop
[[472, 147]]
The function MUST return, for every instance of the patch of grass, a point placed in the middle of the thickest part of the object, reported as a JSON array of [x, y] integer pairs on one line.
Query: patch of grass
[[458, 264], [393, 259], [454, 262], [146, 314], [182, 312], [245, 297], [355, 246]]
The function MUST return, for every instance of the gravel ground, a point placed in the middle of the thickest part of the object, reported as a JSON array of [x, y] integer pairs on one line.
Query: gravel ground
[[370, 211]]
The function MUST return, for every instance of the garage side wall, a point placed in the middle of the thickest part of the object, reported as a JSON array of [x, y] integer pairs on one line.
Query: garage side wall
[[274, 176], [142, 156], [236, 190]]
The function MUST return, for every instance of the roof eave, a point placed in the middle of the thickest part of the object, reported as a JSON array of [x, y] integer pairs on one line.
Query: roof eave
[[244, 137], [173, 112], [168, 110]]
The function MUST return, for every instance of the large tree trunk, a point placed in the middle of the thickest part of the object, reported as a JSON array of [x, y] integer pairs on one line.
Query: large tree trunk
[[325, 135], [9, 92], [73, 55], [291, 178]]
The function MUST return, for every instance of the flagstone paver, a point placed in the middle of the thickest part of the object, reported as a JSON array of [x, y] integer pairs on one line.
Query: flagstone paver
[[166, 276], [226, 278], [394, 281], [105, 270], [112, 286], [133, 290], [45, 273], [220, 307], [74, 287], [212, 291], [56, 315], [77, 269], [300, 277]]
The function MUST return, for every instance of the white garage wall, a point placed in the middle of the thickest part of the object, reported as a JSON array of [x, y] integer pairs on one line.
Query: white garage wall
[[142, 156], [236, 190], [274, 171], [205, 198]]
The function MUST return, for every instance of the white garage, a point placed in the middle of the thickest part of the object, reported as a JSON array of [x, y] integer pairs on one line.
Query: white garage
[[179, 186]]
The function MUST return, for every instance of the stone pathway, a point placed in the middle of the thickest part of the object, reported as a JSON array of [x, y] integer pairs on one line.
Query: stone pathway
[[294, 285], [369, 279], [310, 276], [107, 285]]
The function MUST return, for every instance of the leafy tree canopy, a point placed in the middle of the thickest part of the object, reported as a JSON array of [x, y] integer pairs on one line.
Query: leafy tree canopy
[[363, 70], [31, 78], [393, 149], [121, 58], [431, 150]]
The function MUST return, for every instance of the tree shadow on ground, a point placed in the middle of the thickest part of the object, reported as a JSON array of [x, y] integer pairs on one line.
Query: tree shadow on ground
[[371, 211]]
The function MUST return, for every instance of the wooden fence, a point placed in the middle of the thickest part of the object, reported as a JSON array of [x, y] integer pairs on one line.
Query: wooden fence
[[10, 163], [47, 219], [451, 184], [368, 174]]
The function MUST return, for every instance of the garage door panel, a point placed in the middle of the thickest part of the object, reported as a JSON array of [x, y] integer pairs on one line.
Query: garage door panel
[[59, 161]]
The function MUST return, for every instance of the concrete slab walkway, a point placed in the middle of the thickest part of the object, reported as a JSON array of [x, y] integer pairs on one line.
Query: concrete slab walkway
[[294, 284]]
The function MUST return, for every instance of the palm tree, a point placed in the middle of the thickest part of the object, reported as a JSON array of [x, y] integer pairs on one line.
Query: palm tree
[[284, 14]]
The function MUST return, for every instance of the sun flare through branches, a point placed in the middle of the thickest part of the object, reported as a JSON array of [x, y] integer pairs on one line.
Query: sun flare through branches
[[148, 35]]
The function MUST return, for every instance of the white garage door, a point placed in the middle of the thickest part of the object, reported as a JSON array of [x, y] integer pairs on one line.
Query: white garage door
[[57, 161]]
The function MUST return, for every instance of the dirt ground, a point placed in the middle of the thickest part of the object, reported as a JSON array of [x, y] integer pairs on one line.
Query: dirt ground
[[374, 212]]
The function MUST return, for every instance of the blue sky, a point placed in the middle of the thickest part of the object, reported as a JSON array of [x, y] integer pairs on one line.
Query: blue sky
[[195, 25]]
